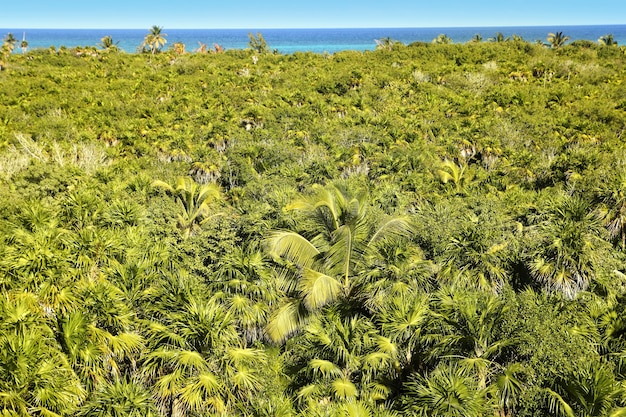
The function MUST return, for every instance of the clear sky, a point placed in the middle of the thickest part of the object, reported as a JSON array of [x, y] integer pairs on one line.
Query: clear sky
[[248, 14]]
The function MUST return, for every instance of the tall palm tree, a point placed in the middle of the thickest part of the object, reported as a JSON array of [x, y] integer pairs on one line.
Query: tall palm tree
[[107, 44], [607, 40], [329, 259], [9, 42], [442, 39], [557, 40], [24, 43], [499, 37], [154, 40], [178, 48], [386, 43]]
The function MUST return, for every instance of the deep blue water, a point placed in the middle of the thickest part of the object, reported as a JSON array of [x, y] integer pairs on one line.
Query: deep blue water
[[293, 40]]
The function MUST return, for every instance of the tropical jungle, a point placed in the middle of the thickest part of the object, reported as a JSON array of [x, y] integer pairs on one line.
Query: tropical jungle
[[432, 229]]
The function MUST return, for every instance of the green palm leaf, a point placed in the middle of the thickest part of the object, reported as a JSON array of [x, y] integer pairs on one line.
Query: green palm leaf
[[344, 389], [318, 289]]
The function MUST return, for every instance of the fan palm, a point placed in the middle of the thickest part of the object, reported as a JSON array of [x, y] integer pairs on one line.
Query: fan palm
[[571, 250], [591, 391], [120, 399], [345, 359], [446, 391], [198, 362], [35, 378], [329, 262], [469, 323]]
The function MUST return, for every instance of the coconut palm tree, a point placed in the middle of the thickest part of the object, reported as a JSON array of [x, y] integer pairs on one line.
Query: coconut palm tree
[[195, 200], [178, 48], [9, 42], [24, 43], [154, 40], [107, 44], [442, 39], [459, 175], [499, 37], [328, 260], [557, 40], [607, 40], [386, 43]]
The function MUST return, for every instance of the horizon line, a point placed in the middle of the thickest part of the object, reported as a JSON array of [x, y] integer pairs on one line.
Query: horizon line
[[311, 27]]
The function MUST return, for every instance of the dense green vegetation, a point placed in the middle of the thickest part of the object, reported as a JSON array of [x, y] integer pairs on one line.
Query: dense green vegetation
[[432, 229]]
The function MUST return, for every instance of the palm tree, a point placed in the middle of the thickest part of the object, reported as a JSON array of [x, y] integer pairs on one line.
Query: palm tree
[[557, 40], [154, 40], [195, 200], [178, 48], [329, 260], [499, 37], [258, 44], [607, 40], [9, 42], [571, 247], [590, 391], [197, 362], [35, 378], [442, 39], [344, 359], [476, 38], [386, 43], [107, 44], [121, 398], [202, 48], [446, 391], [24, 43], [469, 323], [459, 175]]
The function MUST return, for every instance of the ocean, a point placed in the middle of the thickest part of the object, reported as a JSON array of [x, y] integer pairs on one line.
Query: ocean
[[301, 40]]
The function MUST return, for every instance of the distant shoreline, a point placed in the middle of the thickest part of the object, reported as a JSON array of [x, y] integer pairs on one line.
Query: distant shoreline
[[304, 39]]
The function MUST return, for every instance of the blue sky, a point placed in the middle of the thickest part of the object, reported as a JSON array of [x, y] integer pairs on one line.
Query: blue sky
[[246, 14]]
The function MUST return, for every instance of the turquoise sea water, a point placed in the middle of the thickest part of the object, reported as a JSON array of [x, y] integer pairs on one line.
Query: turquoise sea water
[[294, 40]]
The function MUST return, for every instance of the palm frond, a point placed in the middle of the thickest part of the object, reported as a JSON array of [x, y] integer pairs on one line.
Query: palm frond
[[287, 320], [318, 289], [294, 247]]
